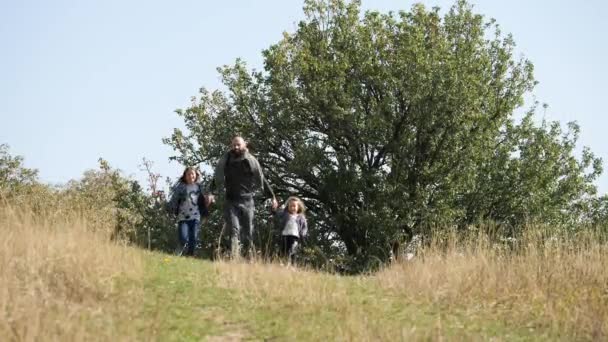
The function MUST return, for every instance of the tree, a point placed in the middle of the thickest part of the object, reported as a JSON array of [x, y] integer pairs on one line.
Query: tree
[[388, 124], [19, 185], [12, 172]]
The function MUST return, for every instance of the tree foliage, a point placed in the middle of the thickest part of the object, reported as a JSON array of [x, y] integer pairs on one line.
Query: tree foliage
[[109, 202], [390, 123], [13, 174], [131, 213]]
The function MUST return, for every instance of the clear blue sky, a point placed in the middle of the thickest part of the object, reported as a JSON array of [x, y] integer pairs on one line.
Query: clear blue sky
[[81, 80]]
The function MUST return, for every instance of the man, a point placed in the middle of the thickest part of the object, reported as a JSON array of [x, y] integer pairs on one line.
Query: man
[[241, 176]]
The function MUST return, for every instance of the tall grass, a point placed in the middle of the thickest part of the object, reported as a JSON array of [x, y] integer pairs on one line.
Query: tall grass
[[556, 284], [457, 287], [61, 281]]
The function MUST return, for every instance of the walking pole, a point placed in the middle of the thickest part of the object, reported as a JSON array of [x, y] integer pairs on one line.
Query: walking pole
[[218, 250]]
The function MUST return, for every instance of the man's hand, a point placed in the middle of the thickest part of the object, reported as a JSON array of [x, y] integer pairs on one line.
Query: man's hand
[[275, 204]]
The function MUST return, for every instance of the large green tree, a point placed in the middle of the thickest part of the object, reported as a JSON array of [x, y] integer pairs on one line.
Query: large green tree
[[392, 123]]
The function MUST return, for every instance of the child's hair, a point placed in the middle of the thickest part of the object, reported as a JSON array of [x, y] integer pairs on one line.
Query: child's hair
[[182, 179], [301, 206]]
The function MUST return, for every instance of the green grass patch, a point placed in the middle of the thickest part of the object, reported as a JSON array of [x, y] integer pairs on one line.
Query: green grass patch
[[188, 299]]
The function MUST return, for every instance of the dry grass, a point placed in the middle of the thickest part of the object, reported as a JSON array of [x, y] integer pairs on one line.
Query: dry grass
[[60, 281], [305, 305], [551, 286], [457, 289]]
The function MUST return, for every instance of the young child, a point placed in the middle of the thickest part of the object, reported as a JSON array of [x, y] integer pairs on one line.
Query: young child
[[294, 227], [188, 203]]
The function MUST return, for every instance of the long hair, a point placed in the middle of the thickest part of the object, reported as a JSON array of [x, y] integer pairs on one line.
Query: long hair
[[301, 207], [182, 179]]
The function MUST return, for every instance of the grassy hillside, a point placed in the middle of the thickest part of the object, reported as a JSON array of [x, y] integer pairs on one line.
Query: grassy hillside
[[59, 281]]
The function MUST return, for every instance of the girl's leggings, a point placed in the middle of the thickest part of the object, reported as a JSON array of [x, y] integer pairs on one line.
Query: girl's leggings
[[290, 247]]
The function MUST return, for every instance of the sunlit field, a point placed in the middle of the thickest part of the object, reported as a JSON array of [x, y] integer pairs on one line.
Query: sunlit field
[[61, 281]]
